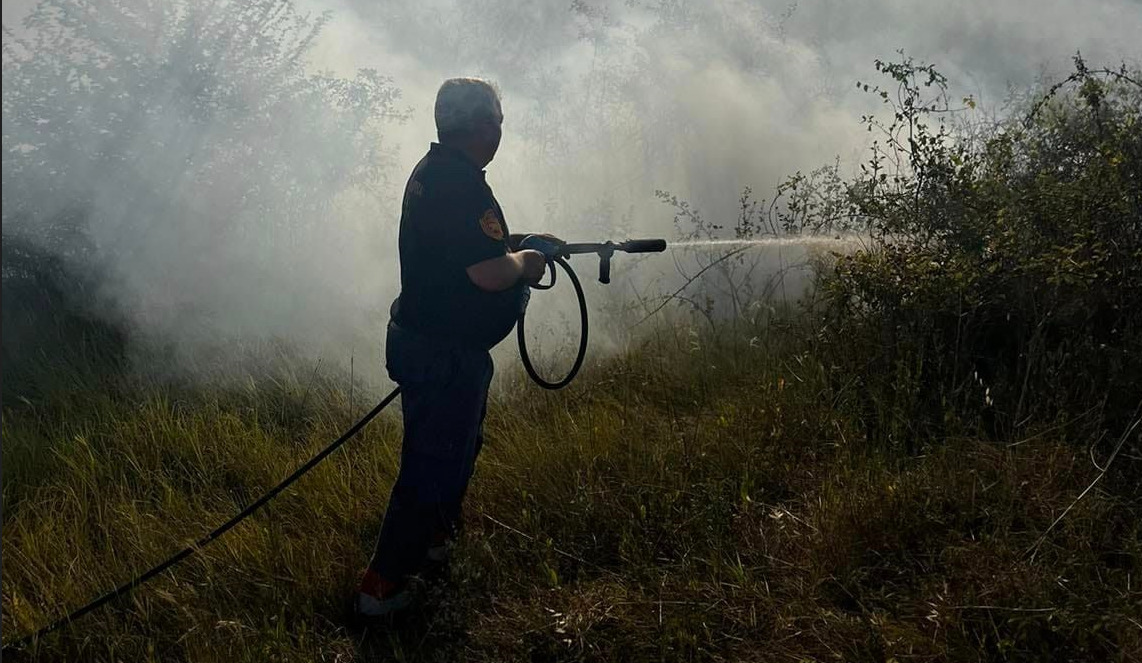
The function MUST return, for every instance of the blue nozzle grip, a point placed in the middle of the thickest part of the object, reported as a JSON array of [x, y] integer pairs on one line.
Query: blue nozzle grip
[[537, 243]]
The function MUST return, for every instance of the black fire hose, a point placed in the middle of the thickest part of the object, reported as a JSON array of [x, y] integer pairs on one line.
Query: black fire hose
[[18, 645], [525, 358], [556, 253]]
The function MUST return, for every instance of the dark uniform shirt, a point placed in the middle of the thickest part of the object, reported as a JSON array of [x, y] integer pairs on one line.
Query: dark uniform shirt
[[449, 221]]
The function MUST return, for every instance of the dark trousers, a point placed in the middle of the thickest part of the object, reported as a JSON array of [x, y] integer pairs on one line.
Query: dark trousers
[[444, 394]]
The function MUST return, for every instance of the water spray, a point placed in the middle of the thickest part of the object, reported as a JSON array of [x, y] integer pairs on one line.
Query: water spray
[[794, 240], [557, 254]]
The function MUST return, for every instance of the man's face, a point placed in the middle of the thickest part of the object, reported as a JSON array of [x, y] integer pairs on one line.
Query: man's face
[[491, 132]]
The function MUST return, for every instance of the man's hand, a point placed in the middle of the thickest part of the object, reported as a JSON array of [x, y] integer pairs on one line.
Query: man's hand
[[498, 274], [534, 264]]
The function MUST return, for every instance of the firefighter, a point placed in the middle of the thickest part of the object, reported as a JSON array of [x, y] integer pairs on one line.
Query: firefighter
[[463, 285]]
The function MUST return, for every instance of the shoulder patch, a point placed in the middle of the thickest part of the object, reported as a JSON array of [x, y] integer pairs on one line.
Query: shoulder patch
[[415, 188], [491, 225]]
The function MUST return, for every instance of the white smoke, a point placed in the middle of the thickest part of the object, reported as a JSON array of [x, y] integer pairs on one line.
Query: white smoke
[[605, 103]]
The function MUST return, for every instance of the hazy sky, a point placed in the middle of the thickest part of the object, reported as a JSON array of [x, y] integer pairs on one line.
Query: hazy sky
[[701, 97], [748, 91]]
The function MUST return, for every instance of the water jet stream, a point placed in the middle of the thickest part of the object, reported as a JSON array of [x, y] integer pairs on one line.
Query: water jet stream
[[806, 240]]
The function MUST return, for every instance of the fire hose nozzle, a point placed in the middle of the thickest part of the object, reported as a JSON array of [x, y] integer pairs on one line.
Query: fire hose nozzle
[[604, 250], [642, 246]]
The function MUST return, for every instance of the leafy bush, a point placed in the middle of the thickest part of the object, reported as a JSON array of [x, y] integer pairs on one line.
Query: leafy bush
[[1004, 281]]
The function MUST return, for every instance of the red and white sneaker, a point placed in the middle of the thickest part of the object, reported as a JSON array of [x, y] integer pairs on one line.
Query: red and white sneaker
[[377, 596]]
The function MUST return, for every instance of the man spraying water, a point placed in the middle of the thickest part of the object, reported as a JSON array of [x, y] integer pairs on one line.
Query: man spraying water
[[464, 283], [463, 286]]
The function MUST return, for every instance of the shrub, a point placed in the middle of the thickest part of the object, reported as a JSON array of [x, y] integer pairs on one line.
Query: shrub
[[1006, 268]]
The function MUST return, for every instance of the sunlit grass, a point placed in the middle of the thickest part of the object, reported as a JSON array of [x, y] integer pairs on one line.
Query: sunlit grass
[[698, 497]]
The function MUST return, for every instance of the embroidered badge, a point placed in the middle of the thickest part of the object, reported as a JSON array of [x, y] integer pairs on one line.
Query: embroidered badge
[[491, 225]]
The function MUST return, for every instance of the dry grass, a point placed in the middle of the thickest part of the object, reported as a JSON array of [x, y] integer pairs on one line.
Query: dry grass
[[696, 498]]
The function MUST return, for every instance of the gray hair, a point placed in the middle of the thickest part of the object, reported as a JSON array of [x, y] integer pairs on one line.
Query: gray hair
[[462, 103]]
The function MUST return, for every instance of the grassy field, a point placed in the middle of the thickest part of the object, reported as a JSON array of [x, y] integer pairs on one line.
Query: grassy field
[[702, 496]]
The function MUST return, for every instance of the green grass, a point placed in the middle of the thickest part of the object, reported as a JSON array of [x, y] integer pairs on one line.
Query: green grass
[[697, 497]]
